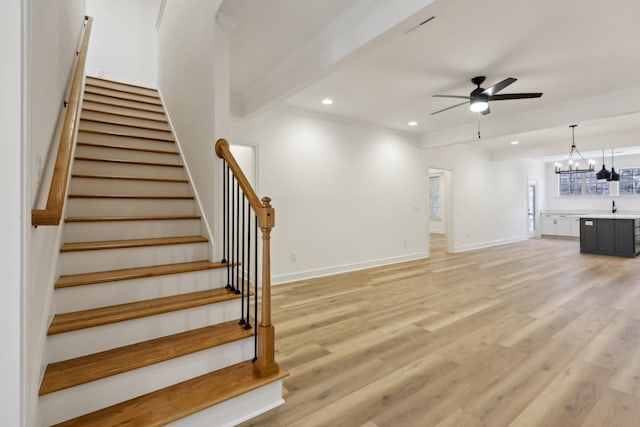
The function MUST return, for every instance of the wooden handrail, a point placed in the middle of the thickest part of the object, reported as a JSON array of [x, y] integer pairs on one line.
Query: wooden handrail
[[265, 364], [57, 191]]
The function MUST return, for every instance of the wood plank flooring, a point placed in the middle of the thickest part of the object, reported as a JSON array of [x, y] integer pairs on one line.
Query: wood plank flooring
[[526, 334]]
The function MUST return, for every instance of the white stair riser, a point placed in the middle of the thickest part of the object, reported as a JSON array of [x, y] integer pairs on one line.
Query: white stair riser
[[81, 207], [85, 167], [105, 108], [70, 403], [92, 340], [124, 154], [126, 95], [125, 141], [120, 230], [106, 127], [122, 102], [120, 86], [124, 120], [234, 411], [114, 259], [96, 295], [119, 187]]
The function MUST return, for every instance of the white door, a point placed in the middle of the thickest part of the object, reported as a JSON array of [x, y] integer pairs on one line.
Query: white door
[[532, 209]]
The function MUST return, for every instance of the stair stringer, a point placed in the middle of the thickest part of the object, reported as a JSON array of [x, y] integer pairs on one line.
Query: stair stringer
[[205, 217]]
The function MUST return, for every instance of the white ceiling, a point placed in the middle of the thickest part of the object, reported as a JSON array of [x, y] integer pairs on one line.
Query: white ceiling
[[584, 55]]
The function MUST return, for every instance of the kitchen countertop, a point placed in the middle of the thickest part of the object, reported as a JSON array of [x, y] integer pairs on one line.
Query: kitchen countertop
[[611, 216]]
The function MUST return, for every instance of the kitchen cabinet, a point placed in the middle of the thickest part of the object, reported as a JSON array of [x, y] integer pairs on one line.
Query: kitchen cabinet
[[617, 235], [552, 224]]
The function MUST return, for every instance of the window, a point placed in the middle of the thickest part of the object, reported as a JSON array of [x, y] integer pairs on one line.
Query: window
[[582, 184], [434, 197], [630, 182], [593, 187]]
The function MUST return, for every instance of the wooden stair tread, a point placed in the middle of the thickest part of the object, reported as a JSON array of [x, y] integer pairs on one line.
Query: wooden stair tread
[[127, 197], [102, 79], [67, 322], [134, 273], [122, 104], [134, 243], [129, 116], [121, 134], [106, 122], [128, 178], [124, 147], [120, 94], [132, 218], [81, 370], [127, 162], [177, 401]]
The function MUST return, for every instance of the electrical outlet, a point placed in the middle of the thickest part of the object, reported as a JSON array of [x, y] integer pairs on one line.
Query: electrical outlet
[[293, 256]]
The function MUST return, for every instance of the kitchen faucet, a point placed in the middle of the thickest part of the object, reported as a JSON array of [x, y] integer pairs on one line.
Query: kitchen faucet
[[613, 206]]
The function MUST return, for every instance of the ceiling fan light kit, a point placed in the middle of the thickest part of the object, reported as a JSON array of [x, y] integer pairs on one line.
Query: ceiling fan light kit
[[479, 98], [573, 166]]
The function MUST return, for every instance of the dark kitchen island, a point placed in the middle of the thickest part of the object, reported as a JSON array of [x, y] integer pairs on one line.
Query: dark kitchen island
[[610, 234]]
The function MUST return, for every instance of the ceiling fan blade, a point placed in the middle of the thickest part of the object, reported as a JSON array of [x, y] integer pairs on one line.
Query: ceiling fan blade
[[485, 112], [515, 96], [449, 108], [499, 86], [451, 96]]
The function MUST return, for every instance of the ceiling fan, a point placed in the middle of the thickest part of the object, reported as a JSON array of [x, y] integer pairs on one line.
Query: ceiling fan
[[479, 98]]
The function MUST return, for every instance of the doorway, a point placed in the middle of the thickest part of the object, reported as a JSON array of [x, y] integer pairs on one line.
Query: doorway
[[532, 208], [440, 212]]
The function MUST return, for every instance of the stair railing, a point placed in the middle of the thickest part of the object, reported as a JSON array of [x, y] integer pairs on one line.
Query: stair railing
[[52, 213], [238, 253]]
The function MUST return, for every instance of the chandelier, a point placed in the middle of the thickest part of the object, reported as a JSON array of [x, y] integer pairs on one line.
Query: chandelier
[[575, 165]]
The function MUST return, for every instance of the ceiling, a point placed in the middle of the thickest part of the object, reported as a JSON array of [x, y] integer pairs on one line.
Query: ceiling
[[379, 67]]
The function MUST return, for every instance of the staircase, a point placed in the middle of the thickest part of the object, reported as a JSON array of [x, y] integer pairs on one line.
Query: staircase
[[145, 333]]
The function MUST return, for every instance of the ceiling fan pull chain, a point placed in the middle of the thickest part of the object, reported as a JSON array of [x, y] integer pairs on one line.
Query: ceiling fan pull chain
[[478, 127]]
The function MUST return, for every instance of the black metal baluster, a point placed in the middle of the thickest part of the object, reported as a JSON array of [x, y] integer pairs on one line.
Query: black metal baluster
[[242, 319], [228, 227], [224, 210], [231, 237], [237, 275], [255, 296], [248, 270]]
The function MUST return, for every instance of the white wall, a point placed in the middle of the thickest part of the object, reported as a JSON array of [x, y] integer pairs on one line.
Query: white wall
[[186, 79], [346, 196], [124, 40], [489, 197], [11, 216], [591, 203], [53, 34]]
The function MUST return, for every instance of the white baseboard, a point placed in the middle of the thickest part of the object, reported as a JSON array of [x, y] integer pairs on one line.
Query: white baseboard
[[482, 245], [279, 279]]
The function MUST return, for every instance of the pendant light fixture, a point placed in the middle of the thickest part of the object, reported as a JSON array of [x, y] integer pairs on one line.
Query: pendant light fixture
[[603, 173], [615, 176], [572, 165]]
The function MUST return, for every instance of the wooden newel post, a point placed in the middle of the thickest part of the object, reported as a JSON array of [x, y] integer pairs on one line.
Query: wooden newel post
[[266, 363]]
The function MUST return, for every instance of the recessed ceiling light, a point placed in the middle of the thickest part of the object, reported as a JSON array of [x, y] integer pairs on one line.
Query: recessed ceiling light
[[413, 123], [327, 101], [515, 142]]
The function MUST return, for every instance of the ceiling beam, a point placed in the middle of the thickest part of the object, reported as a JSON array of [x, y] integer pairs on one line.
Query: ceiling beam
[[358, 28]]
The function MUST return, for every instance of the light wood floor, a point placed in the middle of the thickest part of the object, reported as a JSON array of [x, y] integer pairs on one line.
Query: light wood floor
[[526, 334]]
